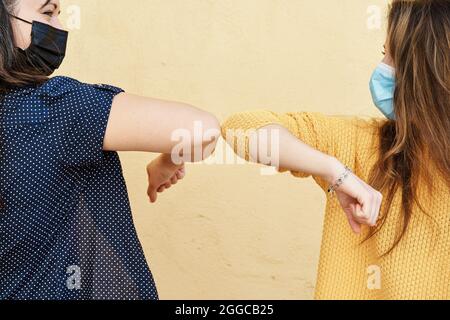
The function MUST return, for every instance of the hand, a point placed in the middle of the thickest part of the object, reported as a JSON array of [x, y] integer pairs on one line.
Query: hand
[[360, 202], [162, 174]]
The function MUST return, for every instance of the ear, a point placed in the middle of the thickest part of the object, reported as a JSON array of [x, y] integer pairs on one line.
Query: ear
[[388, 58], [22, 33]]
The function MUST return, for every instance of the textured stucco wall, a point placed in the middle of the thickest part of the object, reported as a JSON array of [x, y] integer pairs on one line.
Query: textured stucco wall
[[227, 231]]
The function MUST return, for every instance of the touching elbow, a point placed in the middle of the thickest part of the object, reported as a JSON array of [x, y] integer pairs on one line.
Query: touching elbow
[[206, 134], [211, 129], [211, 135]]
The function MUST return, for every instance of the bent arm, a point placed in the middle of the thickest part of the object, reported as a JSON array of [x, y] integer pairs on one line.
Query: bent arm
[[273, 139], [307, 143], [150, 125]]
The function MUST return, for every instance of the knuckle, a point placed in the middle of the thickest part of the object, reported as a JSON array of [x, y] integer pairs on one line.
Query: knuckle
[[360, 214]]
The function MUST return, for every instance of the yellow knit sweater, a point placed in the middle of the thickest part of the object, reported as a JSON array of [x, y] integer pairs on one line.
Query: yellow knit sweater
[[418, 268]]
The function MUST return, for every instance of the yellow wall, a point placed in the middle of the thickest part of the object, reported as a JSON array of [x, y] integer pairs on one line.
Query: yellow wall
[[227, 231]]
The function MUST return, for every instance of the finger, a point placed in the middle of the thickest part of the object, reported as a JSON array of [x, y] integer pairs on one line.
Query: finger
[[161, 189], [167, 185], [374, 209], [180, 175], [174, 179], [376, 202], [364, 210], [357, 212], [153, 195], [378, 209], [368, 203], [356, 227], [359, 215], [370, 210]]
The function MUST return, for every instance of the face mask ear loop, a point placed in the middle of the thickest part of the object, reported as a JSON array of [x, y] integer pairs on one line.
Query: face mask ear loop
[[23, 20]]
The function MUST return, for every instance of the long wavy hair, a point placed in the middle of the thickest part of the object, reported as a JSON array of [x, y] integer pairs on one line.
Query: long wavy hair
[[418, 40], [14, 69]]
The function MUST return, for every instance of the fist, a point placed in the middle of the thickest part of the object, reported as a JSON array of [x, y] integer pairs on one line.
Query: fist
[[162, 174]]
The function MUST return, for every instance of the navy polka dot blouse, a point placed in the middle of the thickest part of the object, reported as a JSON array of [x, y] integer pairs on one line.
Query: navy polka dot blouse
[[66, 230]]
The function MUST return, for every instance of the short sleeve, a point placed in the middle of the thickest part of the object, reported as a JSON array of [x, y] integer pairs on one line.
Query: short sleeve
[[88, 113], [334, 135]]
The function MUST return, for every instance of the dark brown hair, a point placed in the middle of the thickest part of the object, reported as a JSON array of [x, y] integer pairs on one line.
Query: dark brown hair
[[418, 141], [14, 69]]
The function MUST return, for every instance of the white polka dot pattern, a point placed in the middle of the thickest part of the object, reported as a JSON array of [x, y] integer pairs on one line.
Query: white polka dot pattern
[[66, 230]]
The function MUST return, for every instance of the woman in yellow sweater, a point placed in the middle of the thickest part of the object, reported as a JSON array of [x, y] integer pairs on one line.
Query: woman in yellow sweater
[[401, 249]]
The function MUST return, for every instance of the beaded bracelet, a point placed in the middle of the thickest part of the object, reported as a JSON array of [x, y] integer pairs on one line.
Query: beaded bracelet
[[340, 180]]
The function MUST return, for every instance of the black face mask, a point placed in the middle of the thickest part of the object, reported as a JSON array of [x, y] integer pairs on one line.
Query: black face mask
[[48, 47]]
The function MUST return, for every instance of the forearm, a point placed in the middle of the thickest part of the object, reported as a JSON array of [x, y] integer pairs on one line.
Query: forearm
[[274, 145], [284, 149]]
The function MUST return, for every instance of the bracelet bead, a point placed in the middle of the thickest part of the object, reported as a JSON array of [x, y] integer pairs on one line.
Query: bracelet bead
[[340, 180]]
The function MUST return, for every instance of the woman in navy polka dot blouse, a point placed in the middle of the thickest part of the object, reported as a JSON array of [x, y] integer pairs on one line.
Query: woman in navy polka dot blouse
[[66, 230]]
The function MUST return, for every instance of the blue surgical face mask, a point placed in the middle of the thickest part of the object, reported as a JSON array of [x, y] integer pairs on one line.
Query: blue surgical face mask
[[382, 87]]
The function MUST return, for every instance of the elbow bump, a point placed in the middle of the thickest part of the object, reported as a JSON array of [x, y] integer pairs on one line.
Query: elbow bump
[[233, 123], [206, 130], [211, 128]]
